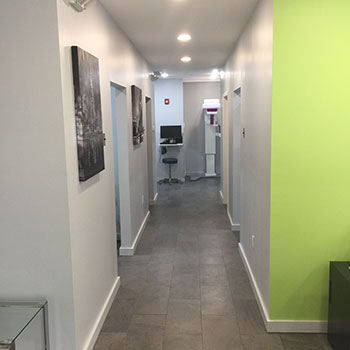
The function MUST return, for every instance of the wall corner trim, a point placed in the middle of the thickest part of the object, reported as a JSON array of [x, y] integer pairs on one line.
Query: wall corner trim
[[279, 326], [130, 251], [154, 200], [222, 196], [92, 338]]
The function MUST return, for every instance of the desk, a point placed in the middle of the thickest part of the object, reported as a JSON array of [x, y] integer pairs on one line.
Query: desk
[[170, 144]]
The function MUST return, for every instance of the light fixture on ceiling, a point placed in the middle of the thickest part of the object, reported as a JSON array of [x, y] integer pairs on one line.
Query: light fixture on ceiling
[[215, 74], [79, 5], [186, 59], [155, 75], [184, 37]]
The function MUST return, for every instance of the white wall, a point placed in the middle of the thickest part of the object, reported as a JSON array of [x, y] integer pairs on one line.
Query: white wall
[[250, 67], [91, 204], [57, 234], [35, 259], [171, 114], [194, 140]]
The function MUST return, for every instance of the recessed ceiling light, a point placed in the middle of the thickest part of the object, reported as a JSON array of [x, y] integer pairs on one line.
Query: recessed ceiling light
[[186, 59], [214, 74], [164, 75], [184, 37]]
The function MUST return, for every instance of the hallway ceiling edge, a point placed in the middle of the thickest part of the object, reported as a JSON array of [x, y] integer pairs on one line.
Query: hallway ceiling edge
[[153, 27]]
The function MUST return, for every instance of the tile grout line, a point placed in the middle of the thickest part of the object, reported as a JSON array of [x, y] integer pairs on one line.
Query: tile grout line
[[234, 309], [200, 301]]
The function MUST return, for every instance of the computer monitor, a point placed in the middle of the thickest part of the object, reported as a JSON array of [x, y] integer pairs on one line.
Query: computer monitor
[[170, 132]]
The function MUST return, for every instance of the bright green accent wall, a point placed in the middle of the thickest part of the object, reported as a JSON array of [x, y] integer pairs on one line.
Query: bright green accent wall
[[310, 160]]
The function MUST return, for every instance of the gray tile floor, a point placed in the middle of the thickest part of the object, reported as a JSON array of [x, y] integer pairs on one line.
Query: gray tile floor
[[186, 287]]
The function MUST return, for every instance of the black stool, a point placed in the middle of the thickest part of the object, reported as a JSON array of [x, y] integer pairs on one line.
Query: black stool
[[169, 161]]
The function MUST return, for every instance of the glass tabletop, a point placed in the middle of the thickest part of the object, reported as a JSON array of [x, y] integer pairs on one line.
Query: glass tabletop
[[14, 318]]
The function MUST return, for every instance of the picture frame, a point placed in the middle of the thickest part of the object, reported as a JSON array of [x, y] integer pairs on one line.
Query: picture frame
[[88, 114]]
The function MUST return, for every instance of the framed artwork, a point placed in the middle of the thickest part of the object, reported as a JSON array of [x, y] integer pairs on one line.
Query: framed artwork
[[137, 122], [88, 116]]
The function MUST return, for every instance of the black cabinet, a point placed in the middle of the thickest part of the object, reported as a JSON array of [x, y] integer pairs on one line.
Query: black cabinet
[[339, 306]]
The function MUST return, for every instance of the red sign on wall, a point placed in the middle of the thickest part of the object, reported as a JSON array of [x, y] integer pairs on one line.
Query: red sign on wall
[[167, 101]]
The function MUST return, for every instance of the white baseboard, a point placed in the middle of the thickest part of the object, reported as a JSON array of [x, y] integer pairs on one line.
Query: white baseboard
[[195, 173], [102, 316], [229, 217], [194, 176], [279, 326], [258, 296], [130, 251], [154, 200], [234, 227], [222, 196]]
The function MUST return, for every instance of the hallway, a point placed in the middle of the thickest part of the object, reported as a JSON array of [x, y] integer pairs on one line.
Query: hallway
[[186, 288]]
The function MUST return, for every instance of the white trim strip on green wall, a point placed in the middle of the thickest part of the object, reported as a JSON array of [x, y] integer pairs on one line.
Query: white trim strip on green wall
[[279, 326]]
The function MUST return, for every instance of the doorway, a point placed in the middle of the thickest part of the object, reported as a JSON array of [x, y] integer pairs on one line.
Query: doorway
[[150, 151], [235, 161], [225, 148], [121, 163], [114, 93]]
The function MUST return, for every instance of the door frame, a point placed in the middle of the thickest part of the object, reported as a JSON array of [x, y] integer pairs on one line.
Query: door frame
[[224, 147], [150, 135], [123, 162]]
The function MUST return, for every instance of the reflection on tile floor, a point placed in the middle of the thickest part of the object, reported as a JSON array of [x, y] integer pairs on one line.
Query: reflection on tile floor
[[186, 287]]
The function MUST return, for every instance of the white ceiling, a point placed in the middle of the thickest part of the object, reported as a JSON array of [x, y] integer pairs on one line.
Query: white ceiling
[[153, 26]]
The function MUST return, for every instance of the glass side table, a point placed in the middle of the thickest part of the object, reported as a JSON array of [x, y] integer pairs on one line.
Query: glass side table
[[24, 326]]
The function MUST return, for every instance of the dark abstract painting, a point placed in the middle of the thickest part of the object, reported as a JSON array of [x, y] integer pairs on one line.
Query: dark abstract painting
[[88, 116], [137, 122]]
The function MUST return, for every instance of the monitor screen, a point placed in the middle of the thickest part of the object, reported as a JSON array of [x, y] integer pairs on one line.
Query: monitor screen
[[170, 131]]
